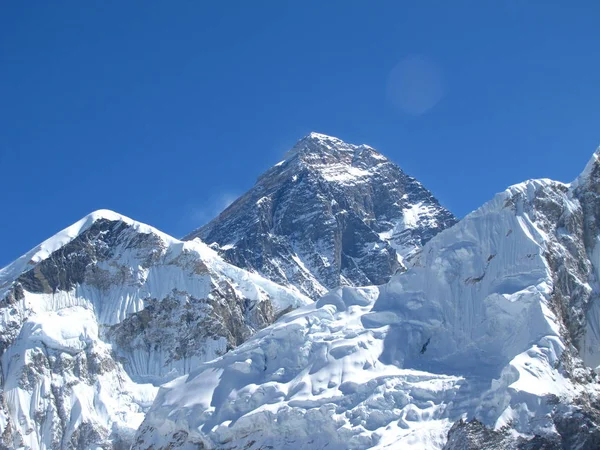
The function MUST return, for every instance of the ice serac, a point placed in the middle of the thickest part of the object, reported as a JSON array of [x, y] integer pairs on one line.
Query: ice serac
[[93, 318], [488, 341], [329, 214]]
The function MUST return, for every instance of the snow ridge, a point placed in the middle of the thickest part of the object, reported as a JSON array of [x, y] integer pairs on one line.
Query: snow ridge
[[92, 319], [481, 343]]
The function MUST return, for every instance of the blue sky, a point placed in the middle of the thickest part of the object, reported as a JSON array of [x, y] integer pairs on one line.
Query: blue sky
[[165, 111]]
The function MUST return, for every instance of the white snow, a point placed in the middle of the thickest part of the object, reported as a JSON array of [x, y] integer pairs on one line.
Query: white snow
[[62, 238], [342, 173], [68, 330], [413, 216], [111, 401], [71, 325], [585, 175], [466, 332]]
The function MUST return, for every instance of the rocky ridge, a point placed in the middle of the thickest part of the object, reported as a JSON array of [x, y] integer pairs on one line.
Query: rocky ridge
[[97, 316], [489, 340], [329, 214]]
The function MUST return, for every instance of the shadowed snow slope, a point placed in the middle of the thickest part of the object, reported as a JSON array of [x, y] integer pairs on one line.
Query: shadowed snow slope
[[491, 322], [93, 317], [329, 214]]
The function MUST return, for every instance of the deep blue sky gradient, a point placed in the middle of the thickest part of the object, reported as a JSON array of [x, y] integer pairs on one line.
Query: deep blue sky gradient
[[165, 111]]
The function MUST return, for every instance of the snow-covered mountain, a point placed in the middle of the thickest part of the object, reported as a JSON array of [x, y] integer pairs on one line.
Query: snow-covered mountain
[[488, 341], [329, 214], [96, 317], [93, 318]]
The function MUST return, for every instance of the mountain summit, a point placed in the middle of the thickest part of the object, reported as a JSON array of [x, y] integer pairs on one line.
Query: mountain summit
[[329, 214], [323, 144], [96, 315], [490, 340]]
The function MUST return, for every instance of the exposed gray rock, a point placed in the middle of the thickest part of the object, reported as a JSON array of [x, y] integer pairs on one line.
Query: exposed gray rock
[[506, 300], [329, 214], [104, 307], [577, 426]]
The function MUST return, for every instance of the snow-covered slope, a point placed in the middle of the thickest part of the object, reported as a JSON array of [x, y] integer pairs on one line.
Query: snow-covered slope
[[488, 341], [93, 318], [329, 214]]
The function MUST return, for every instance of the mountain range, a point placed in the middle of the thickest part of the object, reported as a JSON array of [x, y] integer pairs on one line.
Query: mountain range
[[335, 305]]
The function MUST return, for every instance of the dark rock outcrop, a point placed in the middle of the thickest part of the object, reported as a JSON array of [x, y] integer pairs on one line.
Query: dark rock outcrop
[[329, 214]]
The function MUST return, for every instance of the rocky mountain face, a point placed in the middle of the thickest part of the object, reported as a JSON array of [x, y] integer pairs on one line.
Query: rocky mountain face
[[97, 316], [490, 340], [480, 335], [329, 214]]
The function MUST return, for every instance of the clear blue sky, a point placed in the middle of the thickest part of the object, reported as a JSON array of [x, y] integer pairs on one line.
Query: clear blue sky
[[163, 111]]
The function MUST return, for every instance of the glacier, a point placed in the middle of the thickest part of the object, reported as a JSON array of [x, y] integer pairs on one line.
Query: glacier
[[96, 317], [489, 340], [424, 333]]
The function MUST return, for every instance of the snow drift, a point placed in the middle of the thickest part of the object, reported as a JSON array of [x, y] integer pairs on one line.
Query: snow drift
[[494, 329], [93, 318]]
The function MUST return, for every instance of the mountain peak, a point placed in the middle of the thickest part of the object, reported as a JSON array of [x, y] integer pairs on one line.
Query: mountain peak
[[67, 235], [106, 214], [63, 237], [331, 213], [590, 170], [323, 145], [496, 321], [325, 141], [320, 137]]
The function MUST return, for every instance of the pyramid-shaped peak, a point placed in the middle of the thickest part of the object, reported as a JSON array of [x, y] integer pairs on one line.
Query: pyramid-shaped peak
[[313, 135], [591, 171], [45, 249], [328, 141], [323, 144]]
